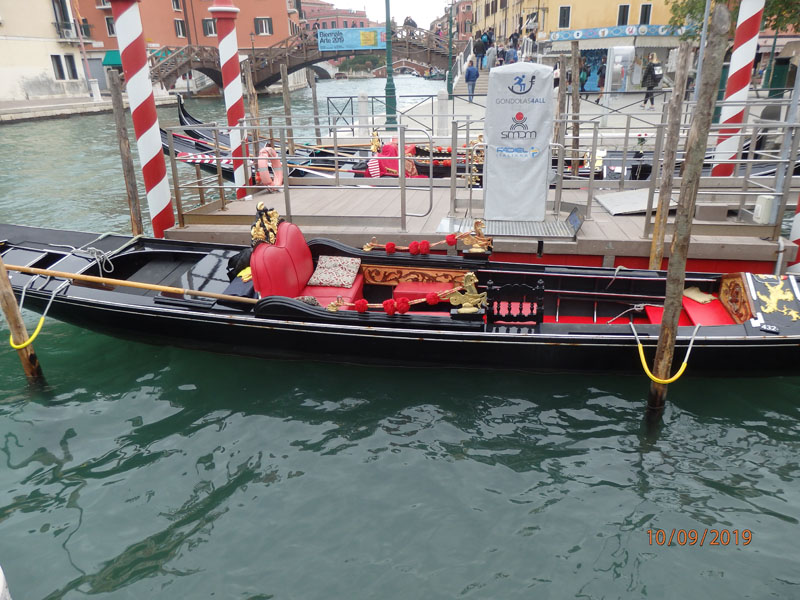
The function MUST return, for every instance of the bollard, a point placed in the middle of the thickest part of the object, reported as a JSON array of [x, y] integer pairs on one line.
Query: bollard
[[30, 363]]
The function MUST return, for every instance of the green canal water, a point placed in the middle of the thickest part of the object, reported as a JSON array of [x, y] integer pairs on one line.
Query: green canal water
[[152, 472]]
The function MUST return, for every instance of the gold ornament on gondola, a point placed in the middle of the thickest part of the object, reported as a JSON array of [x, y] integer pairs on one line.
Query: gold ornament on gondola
[[265, 227], [376, 143], [476, 239], [470, 301], [777, 293]]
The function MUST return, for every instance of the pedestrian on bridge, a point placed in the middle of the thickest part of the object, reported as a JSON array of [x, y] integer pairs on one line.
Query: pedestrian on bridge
[[471, 76], [480, 51], [491, 56]]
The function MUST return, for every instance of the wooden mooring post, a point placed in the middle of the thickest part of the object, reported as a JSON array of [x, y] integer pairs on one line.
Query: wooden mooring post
[[287, 107], [576, 108], [19, 334], [695, 154], [670, 152], [128, 171], [312, 82]]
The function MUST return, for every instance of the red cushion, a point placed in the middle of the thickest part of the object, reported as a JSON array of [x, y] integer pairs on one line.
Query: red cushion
[[325, 295], [654, 314], [291, 238], [414, 290], [713, 313]]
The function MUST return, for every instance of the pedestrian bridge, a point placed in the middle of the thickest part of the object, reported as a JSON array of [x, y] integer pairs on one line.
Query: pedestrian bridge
[[169, 63]]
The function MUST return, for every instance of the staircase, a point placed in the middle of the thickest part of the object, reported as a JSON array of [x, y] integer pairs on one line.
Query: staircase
[[481, 86]]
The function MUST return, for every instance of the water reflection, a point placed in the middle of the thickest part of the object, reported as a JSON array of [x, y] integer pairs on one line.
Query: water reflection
[[169, 469]]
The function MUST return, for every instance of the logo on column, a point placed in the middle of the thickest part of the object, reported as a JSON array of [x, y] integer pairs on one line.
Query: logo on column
[[518, 129], [519, 86]]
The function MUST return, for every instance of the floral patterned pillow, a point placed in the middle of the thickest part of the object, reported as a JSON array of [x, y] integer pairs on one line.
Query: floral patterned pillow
[[335, 271]]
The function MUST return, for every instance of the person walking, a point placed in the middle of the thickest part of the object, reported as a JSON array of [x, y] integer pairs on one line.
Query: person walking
[[583, 76], [471, 76], [491, 56], [480, 51], [601, 80], [649, 81], [501, 55]]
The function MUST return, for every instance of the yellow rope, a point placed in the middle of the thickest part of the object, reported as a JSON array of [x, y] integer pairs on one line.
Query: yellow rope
[[677, 375], [653, 377], [30, 339]]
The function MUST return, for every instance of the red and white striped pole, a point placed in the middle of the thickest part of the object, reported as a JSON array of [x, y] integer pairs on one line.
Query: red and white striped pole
[[745, 44], [128, 25], [794, 235], [225, 13]]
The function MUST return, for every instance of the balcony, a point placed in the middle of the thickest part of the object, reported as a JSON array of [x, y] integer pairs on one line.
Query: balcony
[[67, 31]]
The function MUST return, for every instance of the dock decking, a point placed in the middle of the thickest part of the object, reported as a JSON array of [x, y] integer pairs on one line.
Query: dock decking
[[354, 215]]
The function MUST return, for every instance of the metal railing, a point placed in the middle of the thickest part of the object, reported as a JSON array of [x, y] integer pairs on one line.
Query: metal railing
[[756, 172]]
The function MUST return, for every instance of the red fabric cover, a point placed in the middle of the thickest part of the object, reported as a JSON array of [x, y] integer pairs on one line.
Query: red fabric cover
[[654, 314], [325, 295], [571, 319], [273, 272], [262, 282], [713, 313], [415, 290], [291, 238]]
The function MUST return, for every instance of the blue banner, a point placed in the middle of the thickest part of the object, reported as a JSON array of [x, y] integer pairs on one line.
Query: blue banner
[[372, 38], [618, 31]]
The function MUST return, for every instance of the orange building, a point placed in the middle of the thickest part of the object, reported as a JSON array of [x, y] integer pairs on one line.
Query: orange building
[[260, 23], [318, 14]]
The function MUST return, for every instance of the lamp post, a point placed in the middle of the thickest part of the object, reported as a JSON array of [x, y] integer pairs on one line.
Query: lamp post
[[391, 98], [450, 51]]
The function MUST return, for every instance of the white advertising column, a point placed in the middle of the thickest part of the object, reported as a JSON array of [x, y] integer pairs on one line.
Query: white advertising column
[[519, 128]]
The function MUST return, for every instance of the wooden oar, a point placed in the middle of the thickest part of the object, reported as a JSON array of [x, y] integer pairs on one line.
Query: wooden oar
[[133, 284], [326, 169]]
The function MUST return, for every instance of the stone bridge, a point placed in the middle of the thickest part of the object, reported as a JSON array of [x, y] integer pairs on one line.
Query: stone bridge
[[405, 66], [169, 63]]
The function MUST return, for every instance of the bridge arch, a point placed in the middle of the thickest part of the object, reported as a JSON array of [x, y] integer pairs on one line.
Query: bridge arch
[[297, 52]]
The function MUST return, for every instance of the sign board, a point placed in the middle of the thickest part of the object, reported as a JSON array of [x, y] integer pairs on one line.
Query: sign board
[[618, 31], [371, 38], [519, 128]]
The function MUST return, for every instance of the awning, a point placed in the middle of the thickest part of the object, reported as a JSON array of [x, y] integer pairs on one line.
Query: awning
[[112, 59], [651, 41], [594, 43]]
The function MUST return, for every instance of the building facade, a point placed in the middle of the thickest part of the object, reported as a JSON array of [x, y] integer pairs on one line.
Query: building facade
[[550, 20], [324, 15], [39, 44], [463, 20], [39, 51]]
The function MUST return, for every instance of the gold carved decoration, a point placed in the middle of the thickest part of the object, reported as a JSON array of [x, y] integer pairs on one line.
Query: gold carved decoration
[[734, 296], [376, 143], [478, 241], [380, 275], [777, 293], [470, 301], [265, 228]]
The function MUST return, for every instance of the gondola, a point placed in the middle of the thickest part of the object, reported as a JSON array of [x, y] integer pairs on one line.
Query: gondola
[[383, 303]]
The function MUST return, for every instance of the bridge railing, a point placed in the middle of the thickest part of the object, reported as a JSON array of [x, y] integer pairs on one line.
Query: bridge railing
[[422, 110]]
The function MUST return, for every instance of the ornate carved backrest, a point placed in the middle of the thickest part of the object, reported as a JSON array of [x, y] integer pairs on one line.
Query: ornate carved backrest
[[515, 302]]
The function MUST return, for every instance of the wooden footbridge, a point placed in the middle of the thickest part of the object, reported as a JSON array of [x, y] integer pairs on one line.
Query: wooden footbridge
[[169, 63]]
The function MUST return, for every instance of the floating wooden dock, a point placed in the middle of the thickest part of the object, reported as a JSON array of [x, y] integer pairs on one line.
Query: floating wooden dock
[[361, 213]]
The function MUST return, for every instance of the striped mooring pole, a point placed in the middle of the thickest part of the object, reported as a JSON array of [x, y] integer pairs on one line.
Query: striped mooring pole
[[745, 44], [794, 235], [128, 24], [225, 13]]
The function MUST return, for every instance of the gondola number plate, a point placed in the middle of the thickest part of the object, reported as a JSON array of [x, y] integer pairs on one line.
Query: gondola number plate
[[770, 328]]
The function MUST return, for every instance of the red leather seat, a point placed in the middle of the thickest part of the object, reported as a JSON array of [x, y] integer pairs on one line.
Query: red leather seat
[[285, 268]]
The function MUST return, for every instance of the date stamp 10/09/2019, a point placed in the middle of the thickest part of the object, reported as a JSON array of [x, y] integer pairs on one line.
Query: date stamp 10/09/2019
[[699, 537]]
